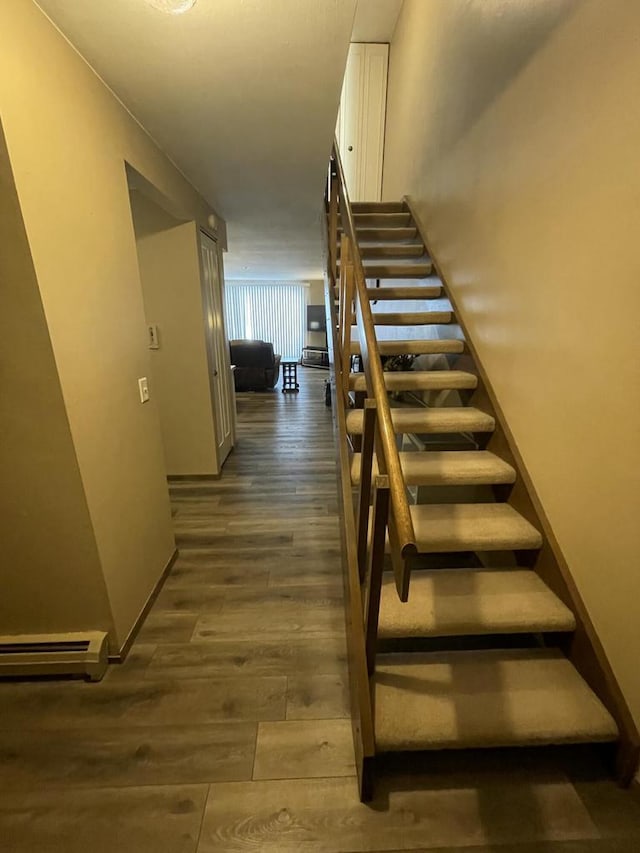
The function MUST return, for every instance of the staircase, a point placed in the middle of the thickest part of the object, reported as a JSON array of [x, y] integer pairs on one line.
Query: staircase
[[464, 627]]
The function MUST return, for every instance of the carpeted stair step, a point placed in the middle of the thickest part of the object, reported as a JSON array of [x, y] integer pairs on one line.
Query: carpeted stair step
[[423, 269], [392, 250], [382, 220], [442, 528], [446, 468], [378, 207], [469, 602], [416, 347], [424, 420], [470, 699], [412, 318], [419, 380], [425, 291], [367, 234]]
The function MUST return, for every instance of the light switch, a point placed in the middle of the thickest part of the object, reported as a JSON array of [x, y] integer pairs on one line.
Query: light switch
[[143, 387], [154, 341]]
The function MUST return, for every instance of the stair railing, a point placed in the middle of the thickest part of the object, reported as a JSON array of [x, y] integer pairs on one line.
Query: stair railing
[[355, 309]]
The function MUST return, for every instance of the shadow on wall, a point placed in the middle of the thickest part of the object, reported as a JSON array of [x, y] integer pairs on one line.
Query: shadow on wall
[[500, 53]]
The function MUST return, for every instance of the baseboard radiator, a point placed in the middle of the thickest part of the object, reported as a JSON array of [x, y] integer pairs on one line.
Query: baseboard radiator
[[25, 655]]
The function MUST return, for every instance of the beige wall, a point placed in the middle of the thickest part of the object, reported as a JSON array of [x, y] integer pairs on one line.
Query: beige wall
[[515, 126], [49, 568], [68, 139], [171, 288]]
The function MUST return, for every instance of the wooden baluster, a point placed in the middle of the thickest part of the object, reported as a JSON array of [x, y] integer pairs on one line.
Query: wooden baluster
[[366, 474], [341, 288], [376, 568], [347, 318], [333, 222]]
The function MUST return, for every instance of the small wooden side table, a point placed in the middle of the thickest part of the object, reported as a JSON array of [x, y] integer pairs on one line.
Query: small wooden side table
[[290, 376]]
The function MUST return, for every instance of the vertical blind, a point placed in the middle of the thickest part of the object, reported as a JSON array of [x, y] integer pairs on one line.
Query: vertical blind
[[267, 311]]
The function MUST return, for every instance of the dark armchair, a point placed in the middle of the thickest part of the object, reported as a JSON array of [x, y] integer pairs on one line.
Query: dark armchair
[[257, 366]]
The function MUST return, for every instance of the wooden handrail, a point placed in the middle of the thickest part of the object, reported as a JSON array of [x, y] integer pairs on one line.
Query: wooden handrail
[[388, 456]]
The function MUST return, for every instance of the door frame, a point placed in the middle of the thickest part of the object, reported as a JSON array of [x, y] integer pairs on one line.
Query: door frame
[[220, 376]]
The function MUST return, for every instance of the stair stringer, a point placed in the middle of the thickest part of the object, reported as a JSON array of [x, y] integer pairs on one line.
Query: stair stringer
[[582, 647]]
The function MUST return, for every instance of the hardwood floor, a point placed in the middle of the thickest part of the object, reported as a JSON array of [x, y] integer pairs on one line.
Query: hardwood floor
[[227, 728]]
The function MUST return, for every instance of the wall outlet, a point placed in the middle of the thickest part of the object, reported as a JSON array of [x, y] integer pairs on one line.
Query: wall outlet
[[143, 387]]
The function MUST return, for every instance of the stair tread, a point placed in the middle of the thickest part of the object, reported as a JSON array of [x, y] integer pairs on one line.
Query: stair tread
[[468, 602], [494, 698], [446, 467], [404, 270], [414, 347], [378, 207], [384, 233], [441, 528], [425, 291], [382, 219], [429, 420], [418, 380], [412, 318], [392, 250]]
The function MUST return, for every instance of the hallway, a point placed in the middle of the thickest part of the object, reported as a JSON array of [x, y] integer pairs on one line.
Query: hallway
[[227, 728]]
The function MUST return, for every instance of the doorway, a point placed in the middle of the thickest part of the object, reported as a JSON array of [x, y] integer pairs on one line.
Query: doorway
[[361, 120], [222, 392], [177, 302]]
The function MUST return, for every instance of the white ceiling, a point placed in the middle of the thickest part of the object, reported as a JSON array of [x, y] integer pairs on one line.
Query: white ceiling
[[243, 96]]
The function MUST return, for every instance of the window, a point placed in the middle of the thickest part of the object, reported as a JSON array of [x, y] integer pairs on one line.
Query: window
[[267, 311]]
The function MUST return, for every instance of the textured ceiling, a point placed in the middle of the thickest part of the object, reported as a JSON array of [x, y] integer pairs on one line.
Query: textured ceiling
[[243, 96]]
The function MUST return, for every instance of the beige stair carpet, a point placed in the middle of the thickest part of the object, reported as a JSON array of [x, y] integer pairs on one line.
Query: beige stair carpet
[[446, 468], [458, 700], [408, 347], [419, 380], [461, 602], [382, 294], [429, 420], [412, 318], [441, 528]]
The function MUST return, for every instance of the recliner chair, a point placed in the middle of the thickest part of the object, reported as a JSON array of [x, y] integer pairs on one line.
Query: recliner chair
[[257, 367]]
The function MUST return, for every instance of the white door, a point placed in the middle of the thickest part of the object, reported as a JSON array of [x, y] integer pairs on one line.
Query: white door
[[217, 348], [361, 120]]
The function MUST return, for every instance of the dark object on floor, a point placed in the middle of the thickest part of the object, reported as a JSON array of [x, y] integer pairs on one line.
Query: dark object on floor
[[327, 393], [257, 366], [290, 376]]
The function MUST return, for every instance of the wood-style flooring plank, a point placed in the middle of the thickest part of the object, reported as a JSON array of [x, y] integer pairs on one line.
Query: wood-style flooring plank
[[264, 656], [195, 568], [304, 749], [153, 819], [317, 696], [164, 626], [114, 757], [305, 597], [147, 702], [325, 815], [192, 600], [273, 620], [258, 540]]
